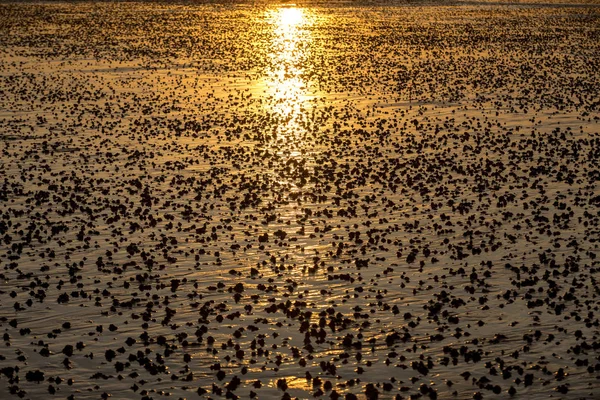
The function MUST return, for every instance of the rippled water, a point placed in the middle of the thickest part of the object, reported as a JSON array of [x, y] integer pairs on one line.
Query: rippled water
[[299, 200]]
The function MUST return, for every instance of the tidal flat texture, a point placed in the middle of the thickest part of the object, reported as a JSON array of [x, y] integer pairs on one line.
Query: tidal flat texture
[[275, 201]]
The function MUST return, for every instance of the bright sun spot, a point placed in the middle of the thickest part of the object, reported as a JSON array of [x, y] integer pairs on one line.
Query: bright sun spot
[[290, 16]]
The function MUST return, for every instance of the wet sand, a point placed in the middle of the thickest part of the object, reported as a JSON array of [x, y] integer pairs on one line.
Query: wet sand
[[351, 201]]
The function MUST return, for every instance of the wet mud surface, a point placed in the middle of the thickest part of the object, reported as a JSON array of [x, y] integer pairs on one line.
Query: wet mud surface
[[266, 201]]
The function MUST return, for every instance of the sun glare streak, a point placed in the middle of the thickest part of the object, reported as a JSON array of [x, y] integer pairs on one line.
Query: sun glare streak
[[288, 98], [285, 83]]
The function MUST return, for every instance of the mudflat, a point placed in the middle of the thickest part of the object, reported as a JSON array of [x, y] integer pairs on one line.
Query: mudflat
[[315, 200]]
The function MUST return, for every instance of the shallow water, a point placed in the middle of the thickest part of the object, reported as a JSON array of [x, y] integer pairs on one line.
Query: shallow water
[[303, 200]]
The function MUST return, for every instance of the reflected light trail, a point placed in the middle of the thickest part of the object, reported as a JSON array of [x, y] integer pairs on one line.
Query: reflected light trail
[[285, 83], [288, 101]]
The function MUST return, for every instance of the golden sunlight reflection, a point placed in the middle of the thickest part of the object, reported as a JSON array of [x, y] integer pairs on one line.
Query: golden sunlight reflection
[[291, 16], [289, 101], [289, 98], [285, 84], [293, 382]]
